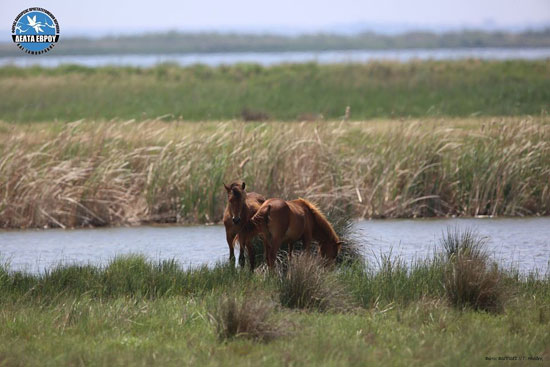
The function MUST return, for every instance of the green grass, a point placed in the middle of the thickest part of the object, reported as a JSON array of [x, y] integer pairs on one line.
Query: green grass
[[96, 173], [133, 275], [285, 92], [176, 331], [137, 312]]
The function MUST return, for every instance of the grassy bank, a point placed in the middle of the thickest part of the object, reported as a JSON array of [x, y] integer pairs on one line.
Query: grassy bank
[[286, 92], [136, 312], [108, 173]]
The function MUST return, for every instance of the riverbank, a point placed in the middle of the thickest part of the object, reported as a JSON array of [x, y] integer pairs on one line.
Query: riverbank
[[452, 308], [287, 92], [97, 173]]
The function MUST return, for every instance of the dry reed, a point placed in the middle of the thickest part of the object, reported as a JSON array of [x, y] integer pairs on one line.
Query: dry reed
[[111, 173]]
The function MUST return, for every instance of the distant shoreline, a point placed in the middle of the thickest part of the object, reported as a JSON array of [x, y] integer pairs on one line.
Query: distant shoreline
[[174, 42], [278, 58]]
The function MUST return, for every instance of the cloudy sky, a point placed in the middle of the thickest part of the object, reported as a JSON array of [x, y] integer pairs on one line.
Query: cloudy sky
[[302, 15]]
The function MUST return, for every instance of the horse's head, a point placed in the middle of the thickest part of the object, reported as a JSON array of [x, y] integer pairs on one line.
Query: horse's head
[[330, 249], [237, 200]]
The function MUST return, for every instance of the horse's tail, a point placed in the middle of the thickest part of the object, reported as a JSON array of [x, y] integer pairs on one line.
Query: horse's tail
[[322, 223], [237, 240]]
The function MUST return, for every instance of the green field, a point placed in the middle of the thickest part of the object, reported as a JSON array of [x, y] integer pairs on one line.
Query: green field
[[439, 312], [285, 92]]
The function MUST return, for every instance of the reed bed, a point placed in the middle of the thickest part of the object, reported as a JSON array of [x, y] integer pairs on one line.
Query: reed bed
[[93, 173]]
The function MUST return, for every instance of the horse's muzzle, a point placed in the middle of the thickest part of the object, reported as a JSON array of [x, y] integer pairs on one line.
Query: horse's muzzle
[[236, 220]]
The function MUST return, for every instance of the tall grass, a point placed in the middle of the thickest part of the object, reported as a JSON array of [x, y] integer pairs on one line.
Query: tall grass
[[307, 283], [282, 92], [108, 173], [458, 242], [131, 275], [391, 281], [461, 272], [470, 280]]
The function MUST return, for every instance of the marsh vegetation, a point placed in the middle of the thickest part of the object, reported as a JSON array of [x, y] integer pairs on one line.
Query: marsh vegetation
[[97, 173], [111, 146], [137, 311], [287, 92]]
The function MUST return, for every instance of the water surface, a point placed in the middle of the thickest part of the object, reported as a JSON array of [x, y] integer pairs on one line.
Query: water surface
[[272, 58], [522, 243]]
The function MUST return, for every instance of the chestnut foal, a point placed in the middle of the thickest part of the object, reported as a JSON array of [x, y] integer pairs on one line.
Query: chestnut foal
[[241, 206]]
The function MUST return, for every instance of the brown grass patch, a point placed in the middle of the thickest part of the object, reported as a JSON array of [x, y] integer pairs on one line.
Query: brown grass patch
[[470, 279], [308, 283], [249, 317]]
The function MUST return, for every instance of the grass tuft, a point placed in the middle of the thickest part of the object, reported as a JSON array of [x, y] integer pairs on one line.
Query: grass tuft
[[249, 317], [309, 284], [469, 279], [456, 242]]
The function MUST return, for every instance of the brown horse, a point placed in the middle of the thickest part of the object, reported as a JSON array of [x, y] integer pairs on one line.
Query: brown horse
[[241, 206], [279, 221]]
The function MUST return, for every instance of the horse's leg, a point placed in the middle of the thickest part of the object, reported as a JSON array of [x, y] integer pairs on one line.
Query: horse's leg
[[242, 250], [273, 249], [231, 243], [251, 254]]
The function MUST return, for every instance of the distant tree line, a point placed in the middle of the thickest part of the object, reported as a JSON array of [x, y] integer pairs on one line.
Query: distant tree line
[[176, 42]]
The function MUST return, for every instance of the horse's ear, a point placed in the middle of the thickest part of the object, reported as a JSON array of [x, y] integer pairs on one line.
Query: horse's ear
[[227, 188], [243, 185]]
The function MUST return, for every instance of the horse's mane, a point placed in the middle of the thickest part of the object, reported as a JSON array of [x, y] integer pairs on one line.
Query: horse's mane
[[321, 220]]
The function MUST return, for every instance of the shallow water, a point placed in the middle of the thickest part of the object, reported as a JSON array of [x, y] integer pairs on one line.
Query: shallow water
[[522, 243], [271, 58]]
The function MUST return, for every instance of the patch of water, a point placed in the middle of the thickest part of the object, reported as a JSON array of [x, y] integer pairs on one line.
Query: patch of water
[[520, 242], [273, 58]]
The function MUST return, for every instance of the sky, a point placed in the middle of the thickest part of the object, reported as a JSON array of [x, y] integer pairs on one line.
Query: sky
[[112, 17]]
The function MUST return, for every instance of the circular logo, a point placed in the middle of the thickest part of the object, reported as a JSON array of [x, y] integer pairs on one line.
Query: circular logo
[[35, 31]]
